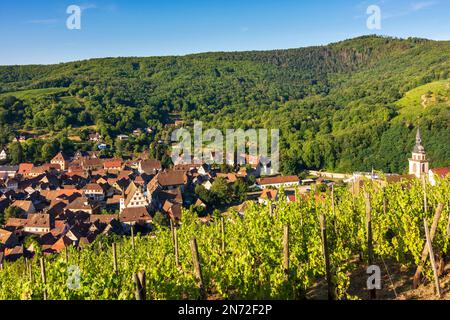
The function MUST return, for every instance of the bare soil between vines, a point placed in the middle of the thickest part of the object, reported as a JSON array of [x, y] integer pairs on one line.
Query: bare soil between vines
[[396, 284]]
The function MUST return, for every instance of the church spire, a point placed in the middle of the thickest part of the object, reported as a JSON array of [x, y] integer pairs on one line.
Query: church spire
[[418, 148], [418, 138], [418, 164]]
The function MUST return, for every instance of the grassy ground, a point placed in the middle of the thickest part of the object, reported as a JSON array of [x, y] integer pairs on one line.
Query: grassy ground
[[421, 99]]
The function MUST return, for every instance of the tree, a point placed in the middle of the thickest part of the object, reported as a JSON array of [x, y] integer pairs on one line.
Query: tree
[[15, 152], [220, 191], [239, 190], [48, 151], [11, 212], [203, 193], [161, 219]]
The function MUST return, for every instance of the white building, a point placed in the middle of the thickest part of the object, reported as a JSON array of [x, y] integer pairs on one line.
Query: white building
[[418, 164], [3, 155], [278, 182]]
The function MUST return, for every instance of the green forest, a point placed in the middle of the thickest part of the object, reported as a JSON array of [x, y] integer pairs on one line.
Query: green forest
[[352, 105]]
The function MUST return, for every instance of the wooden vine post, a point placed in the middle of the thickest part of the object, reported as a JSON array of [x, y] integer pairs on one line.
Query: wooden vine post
[[132, 237], [323, 228], [425, 201], [66, 253], [26, 263], [1, 260], [31, 272], [43, 277], [114, 252], [197, 268], [286, 249], [333, 207], [171, 230], [433, 262], [140, 286], [372, 292], [175, 246], [222, 232], [448, 226], [436, 218]]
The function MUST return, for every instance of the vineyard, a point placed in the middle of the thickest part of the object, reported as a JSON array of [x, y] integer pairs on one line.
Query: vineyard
[[278, 252]]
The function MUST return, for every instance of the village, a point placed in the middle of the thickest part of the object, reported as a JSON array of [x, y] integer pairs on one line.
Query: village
[[74, 199]]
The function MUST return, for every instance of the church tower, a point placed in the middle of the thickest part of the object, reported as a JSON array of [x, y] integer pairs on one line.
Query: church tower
[[418, 164]]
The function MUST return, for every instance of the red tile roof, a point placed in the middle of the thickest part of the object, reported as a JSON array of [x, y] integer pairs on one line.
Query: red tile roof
[[269, 194], [135, 215], [60, 157], [94, 187], [441, 172], [172, 178], [277, 180], [38, 221], [62, 243], [25, 168], [112, 163]]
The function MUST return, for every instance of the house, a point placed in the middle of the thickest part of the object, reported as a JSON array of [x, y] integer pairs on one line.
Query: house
[[8, 172], [172, 179], [204, 169], [80, 204], [242, 173], [173, 210], [133, 197], [25, 206], [174, 196], [149, 167], [95, 137], [207, 184], [268, 196], [229, 177], [112, 165], [8, 239], [3, 155], [61, 160], [137, 132], [179, 123], [16, 253], [122, 137], [120, 185], [92, 164], [291, 196], [133, 216], [15, 224], [60, 229], [152, 190], [278, 182], [25, 169], [102, 218], [94, 191], [440, 173], [36, 171], [39, 223], [200, 203], [12, 184], [78, 231], [61, 244]]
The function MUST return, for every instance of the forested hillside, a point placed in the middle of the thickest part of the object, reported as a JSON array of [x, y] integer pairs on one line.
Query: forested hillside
[[347, 106]]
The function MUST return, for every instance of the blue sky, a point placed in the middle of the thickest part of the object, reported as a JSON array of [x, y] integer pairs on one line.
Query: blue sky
[[35, 31]]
